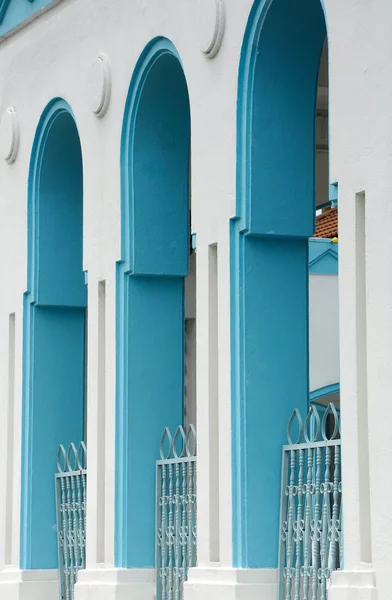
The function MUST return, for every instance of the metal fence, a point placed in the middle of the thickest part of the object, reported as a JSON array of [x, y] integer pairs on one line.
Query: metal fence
[[175, 512], [311, 505], [70, 481]]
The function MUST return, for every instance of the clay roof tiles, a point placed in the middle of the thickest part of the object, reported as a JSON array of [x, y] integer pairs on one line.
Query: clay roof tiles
[[327, 224]]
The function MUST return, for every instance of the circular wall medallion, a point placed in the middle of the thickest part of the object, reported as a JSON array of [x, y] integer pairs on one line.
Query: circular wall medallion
[[213, 20], [9, 135], [100, 85]]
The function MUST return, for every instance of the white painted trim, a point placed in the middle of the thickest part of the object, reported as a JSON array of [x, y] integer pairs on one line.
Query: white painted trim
[[216, 583], [353, 585], [29, 585], [115, 584]]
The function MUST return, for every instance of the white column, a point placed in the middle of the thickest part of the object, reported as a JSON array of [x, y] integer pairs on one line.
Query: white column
[[15, 584], [100, 579], [361, 159], [357, 576], [214, 578]]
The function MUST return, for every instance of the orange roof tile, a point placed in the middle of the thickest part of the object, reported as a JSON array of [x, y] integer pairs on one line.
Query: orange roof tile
[[327, 224]]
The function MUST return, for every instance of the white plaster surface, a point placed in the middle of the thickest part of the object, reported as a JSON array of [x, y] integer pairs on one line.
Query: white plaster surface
[[323, 331], [29, 585], [216, 583], [51, 57]]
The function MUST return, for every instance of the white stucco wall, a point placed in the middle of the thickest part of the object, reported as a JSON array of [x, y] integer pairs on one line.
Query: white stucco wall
[[51, 58], [323, 331]]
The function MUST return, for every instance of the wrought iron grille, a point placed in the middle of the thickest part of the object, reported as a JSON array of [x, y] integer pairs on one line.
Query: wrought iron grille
[[311, 506], [70, 481], [175, 512]]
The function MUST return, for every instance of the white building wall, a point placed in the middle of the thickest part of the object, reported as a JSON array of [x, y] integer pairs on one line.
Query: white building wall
[[52, 57], [323, 331]]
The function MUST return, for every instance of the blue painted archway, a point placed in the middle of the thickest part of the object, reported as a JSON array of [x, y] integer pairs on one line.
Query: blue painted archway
[[269, 258], [54, 326], [150, 289]]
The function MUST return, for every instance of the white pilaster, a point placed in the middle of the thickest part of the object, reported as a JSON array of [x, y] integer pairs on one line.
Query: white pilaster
[[344, 138], [231, 584], [353, 585], [29, 585], [115, 584]]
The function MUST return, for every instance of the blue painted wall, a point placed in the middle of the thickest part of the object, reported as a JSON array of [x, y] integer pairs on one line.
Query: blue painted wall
[[150, 290], [14, 12], [54, 327], [327, 390], [269, 259], [323, 256]]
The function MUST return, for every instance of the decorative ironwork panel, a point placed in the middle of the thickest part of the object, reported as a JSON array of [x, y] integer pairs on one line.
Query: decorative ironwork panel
[[311, 544], [70, 481], [176, 512]]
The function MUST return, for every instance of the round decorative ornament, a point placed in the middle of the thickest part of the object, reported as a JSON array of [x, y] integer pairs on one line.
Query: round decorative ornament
[[9, 135], [100, 85], [212, 26]]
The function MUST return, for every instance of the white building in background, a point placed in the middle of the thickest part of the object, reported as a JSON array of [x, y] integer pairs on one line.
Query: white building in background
[[161, 165]]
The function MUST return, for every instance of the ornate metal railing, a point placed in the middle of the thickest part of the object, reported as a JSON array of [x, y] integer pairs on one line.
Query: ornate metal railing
[[70, 482], [311, 506], [176, 512]]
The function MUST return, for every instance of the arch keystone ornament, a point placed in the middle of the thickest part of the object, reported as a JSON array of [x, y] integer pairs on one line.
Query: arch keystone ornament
[[212, 20], [100, 85], [9, 135]]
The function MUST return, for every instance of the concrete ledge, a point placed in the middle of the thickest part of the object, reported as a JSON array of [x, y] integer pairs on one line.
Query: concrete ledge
[[231, 584], [115, 584], [29, 585], [353, 585]]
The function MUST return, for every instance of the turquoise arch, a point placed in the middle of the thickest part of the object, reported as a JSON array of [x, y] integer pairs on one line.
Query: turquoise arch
[[14, 13], [54, 326], [150, 289], [269, 259]]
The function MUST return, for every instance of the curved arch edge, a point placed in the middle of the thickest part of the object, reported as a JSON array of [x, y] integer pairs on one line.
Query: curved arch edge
[[326, 390], [157, 298], [156, 48], [53, 109]]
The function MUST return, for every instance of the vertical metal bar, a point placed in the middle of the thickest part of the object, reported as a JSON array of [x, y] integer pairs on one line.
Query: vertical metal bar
[[335, 510], [84, 484], [184, 532], [164, 548], [299, 526], [75, 523], [170, 534], [316, 526], [80, 519], [59, 521], [191, 515], [341, 545], [283, 522], [290, 525], [308, 519], [67, 558], [326, 489], [177, 524]]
